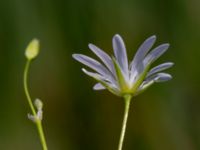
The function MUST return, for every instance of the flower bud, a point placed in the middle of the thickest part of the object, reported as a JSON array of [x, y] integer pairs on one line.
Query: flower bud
[[32, 49], [38, 104]]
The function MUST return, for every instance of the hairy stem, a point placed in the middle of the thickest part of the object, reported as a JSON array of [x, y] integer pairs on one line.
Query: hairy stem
[[37, 121], [127, 99]]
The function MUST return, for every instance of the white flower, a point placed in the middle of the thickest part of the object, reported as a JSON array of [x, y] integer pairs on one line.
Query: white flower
[[121, 77]]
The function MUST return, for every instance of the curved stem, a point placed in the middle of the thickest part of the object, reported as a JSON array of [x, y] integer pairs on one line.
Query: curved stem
[[38, 122], [26, 87], [127, 99]]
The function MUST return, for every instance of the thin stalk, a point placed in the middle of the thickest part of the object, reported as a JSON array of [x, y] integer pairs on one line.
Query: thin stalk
[[38, 122], [41, 134], [26, 87], [127, 99]]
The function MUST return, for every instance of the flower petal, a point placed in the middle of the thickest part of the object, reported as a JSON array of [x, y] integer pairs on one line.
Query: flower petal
[[143, 50], [159, 77], [149, 59], [111, 87], [103, 56], [98, 86], [162, 77], [92, 74], [138, 80], [137, 65], [143, 87], [93, 64], [120, 53], [159, 68], [155, 54]]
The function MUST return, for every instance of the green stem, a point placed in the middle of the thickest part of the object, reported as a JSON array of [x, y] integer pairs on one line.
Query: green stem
[[127, 99], [41, 134], [38, 122], [26, 87]]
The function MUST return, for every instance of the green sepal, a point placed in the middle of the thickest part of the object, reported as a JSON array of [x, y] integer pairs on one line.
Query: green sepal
[[140, 79], [120, 77], [145, 87], [104, 83], [108, 87]]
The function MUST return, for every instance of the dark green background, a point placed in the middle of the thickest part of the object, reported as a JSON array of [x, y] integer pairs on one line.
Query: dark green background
[[165, 117]]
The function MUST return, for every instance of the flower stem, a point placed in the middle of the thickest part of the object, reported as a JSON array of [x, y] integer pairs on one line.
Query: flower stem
[[41, 134], [26, 87], [38, 122], [127, 99]]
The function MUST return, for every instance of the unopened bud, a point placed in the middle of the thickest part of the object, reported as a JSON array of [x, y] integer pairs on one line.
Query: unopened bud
[[38, 104], [32, 49]]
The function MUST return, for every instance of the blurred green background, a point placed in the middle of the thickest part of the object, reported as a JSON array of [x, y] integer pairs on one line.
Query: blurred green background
[[166, 116]]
